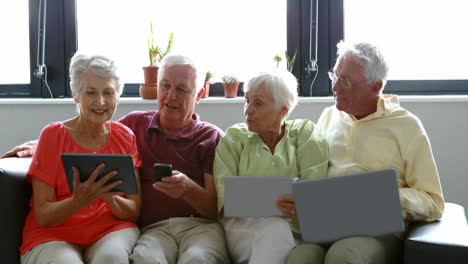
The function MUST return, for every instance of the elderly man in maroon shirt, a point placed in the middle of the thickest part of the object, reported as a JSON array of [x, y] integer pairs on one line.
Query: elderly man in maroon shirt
[[179, 213]]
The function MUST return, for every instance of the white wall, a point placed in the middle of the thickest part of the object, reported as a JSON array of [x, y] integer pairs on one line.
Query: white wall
[[445, 119]]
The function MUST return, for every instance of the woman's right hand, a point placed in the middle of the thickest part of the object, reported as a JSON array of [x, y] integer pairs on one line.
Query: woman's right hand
[[287, 206], [87, 191], [50, 212]]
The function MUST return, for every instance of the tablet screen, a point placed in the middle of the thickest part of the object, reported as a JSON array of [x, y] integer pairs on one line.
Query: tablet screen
[[87, 163]]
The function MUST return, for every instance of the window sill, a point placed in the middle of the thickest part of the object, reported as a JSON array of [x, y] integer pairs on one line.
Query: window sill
[[237, 100]]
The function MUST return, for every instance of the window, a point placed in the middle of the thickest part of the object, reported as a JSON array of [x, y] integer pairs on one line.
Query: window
[[14, 49], [15, 46], [229, 38], [425, 51], [423, 40], [225, 37], [418, 45]]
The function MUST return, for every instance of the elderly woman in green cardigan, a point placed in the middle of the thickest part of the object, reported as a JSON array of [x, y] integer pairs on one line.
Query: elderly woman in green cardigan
[[268, 145]]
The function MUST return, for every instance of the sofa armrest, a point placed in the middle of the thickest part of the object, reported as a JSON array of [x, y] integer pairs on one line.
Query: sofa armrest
[[442, 241], [14, 205]]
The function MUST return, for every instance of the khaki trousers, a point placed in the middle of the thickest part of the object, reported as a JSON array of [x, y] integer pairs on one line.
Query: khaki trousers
[[381, 250], [181, 240]]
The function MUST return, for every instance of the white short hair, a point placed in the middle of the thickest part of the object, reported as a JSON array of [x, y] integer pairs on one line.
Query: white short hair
[[280, 83], [369, 56], [98, 65], [178, 59]]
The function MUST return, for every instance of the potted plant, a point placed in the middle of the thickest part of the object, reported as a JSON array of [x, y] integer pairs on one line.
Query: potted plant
[[277, 59], [289, 60], [149, 89], [208, 76], [231, 85]]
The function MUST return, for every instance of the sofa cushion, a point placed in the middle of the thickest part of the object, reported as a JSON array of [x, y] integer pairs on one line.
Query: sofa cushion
[[442, 241], [14, 204]]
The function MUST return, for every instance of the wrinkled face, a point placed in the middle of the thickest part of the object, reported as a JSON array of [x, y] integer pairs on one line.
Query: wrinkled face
[[97, 99], [260, 111], [177, 96], [356, 99]]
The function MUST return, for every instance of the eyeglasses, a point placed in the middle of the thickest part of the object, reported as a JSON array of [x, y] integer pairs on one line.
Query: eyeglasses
[[333, 77]]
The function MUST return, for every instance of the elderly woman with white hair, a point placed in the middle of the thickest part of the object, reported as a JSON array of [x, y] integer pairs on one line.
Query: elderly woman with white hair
[[268, 145], [90, 224]]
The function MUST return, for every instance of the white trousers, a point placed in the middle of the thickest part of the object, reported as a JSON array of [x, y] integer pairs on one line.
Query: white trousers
[[258, 240], [114, 247]]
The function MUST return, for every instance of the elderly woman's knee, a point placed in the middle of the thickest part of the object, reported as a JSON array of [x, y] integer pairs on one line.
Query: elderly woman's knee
[[307, 254]]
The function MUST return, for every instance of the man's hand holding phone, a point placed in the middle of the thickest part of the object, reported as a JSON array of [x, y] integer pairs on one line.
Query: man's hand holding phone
[[175, 186], [162, 170]]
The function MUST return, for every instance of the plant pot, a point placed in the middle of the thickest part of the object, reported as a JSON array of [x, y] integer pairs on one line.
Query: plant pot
[[230, 89], [149, 90], [207, 90]]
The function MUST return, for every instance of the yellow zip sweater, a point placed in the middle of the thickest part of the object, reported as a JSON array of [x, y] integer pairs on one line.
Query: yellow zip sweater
[[392, 137]]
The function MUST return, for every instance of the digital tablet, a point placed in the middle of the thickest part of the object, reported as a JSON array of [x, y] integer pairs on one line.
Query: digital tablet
[[254, 196], [87, 163]]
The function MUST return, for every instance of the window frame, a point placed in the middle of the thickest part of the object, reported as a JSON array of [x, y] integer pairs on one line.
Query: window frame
[[61, 43]]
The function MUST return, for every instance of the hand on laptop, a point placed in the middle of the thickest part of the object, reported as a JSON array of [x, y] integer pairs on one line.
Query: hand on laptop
[[287, 206]]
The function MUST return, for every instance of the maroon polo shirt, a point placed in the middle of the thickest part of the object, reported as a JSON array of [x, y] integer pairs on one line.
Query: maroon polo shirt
[[191, 152]]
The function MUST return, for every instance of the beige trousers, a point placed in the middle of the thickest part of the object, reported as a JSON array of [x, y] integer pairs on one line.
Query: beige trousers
[[381, 250], [114, 247], [181, 240]]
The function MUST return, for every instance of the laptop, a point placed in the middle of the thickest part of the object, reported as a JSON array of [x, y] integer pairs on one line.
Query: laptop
[[361, 204], [254, 196]]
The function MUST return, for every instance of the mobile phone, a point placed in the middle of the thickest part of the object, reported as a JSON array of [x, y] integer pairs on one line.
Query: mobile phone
[[162, 170]]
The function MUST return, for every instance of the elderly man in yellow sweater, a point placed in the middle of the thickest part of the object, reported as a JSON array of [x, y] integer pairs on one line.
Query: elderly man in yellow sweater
[[366, 130]]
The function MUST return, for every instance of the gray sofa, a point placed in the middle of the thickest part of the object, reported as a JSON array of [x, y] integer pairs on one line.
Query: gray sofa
[[443, 241]]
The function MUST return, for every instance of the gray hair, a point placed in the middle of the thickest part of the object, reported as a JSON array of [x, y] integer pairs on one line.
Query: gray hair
[[369, 56], [282, 85], [177, 59], [96, 64]]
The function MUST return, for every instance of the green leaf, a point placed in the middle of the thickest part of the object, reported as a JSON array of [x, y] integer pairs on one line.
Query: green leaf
[[277, 59], [290, 61], [155, 53]]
